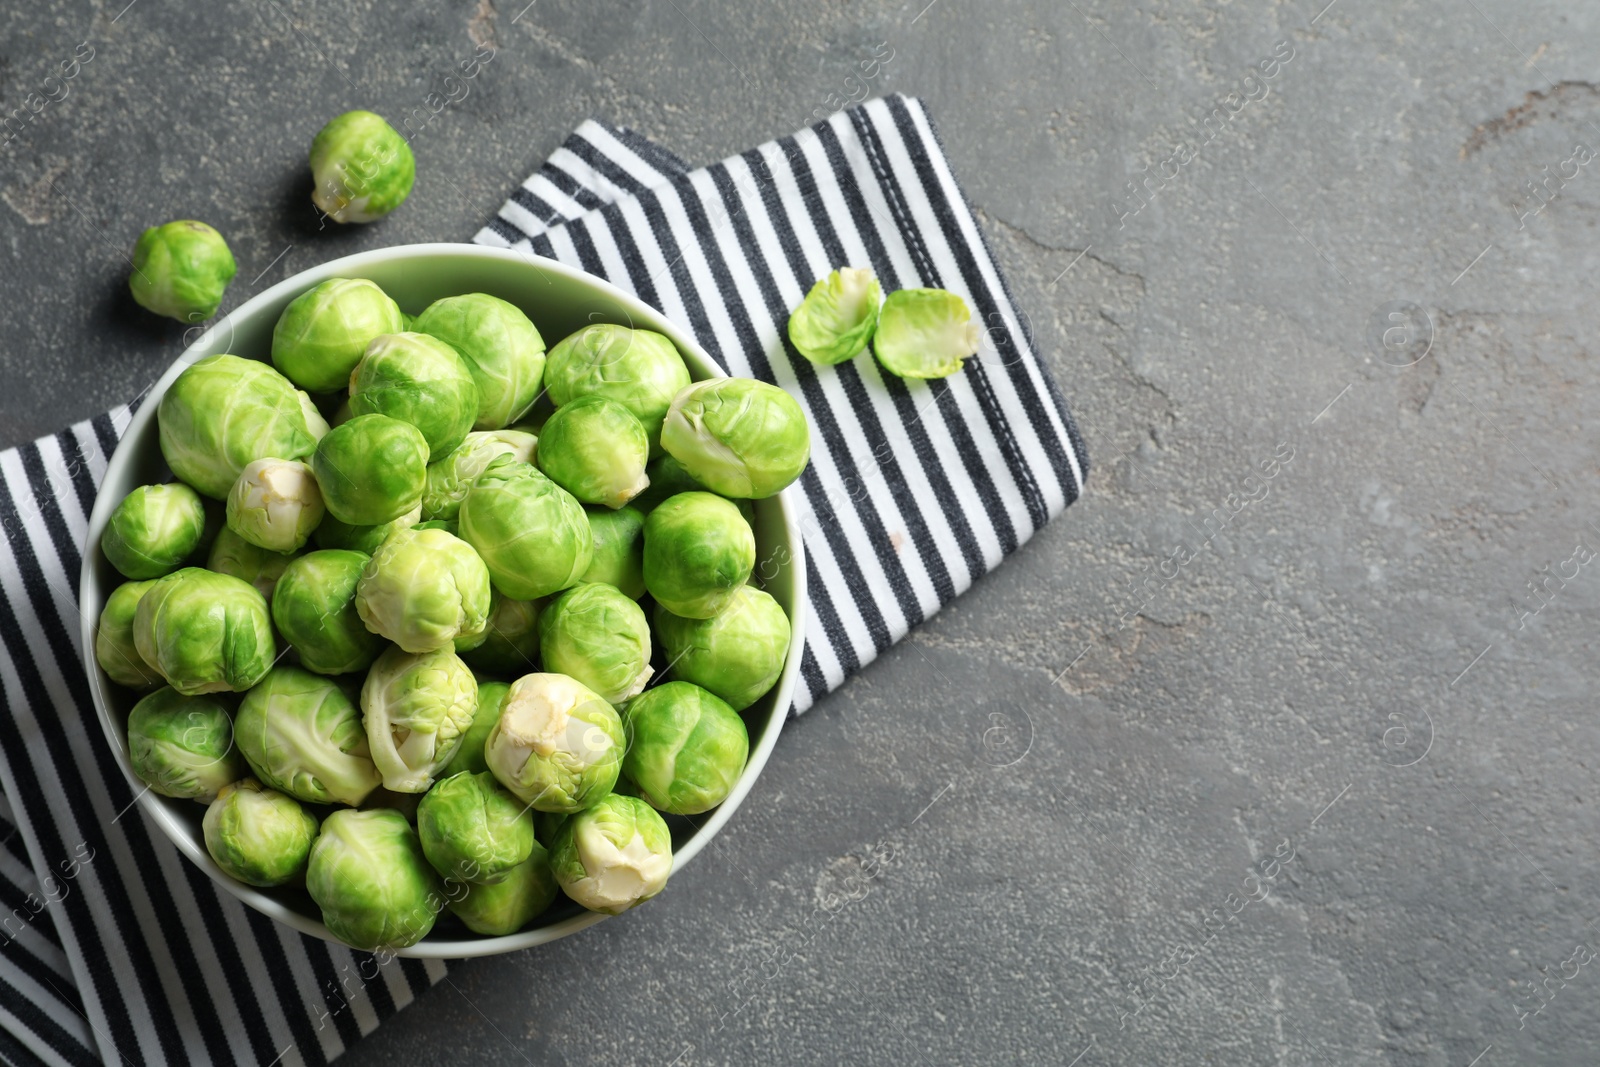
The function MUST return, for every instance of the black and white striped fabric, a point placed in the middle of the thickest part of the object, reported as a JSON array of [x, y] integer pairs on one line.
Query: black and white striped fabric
[[113, 948]]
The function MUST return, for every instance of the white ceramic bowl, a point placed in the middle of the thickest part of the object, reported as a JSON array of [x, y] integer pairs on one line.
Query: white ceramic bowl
[[559, 300]]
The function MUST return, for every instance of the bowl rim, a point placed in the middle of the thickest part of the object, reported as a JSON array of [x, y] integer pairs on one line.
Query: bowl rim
[[355, 265]]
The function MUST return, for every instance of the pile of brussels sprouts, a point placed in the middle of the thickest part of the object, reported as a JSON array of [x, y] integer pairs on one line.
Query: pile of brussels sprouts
[[397, 616]]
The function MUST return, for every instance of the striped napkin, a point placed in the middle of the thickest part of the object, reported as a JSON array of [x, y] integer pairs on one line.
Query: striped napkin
[[115, 948]]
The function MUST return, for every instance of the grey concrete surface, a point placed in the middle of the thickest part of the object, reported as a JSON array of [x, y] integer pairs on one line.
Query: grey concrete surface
[[1309, 705]]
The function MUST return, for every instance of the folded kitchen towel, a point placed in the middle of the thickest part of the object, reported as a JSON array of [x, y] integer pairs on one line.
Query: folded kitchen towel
[[113, 947]]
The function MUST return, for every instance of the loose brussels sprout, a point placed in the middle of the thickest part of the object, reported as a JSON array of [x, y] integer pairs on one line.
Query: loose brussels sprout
[[258, 836], [501, 347], [224, 412], [234, 556], [451, 477], [469, 757], [275, 504], [422, 589], [639, 369], [371, 469], [314, 608], [837, 317], [417, 379], [153, 530], [596, 635], [205, 632], [613, 856], [361, 169], [322, 334], [737, 654], [596, 450], [697, 550], [472, 830], [686, 748], [511, 903], [510, 639], [618, 549], [113, 640], [368, 875], [925, 333], [557, 745], [332, 533], [182, 746], [418, 708], [302, 735], [180, 270], [737, 436], [532, 534]]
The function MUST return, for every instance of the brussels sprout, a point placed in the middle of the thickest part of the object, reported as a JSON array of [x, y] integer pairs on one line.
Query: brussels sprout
[[501, 347], [234, 556], [837, 317], [613, 856], [314, 609], [618, 549], [546, 824], [596, 635], [418, 708], [557, 745], [510, 639], [113, 639], [449, 527], [697, 550], [368, 875], [925, 333], [275, 504], [302, 735], [737, 436], [258, 836], [205, 632], [371, 470], [153, 530], [364, 539], [361, 169], [472, 830], [451, 477], [737, 654], [596, 450], [511, 903], [182, 746], [639, 369], [686, 748], [423, 589], [469, 757], [417, 379], [224, 412], [180, 270], [531, 533], [322, 334]]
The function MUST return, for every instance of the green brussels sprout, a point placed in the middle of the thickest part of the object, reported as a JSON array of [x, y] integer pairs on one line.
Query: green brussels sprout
[[737, 653], [640, 369], [472, 830], [418, 708], [322, 334], [557, 745], [302, 735], [925, 333], [223, 412], [449, 527], [114, 649], [510, 639], [667, 478], [275, 504], [546, 824], [598, 636], [153, 530], [501, 347], [614, 855], [469, 757], [332, 533], [314, 608], [205, 632], [422, 589], [686, 748], [258, 836], [451, 477], [697, 550], [371, 470], [361, 169], [180, 270], [182, 746], [234, 556], [368, 875], [417, 379], [837, 317], [533, 535], [618, 549], [596, 450], [737, 436], [511, 903]]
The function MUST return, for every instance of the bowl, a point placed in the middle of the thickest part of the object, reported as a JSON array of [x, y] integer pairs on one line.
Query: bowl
[[559, 300]]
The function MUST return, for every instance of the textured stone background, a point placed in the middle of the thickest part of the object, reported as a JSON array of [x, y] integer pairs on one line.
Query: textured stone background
[[1055, 797]]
